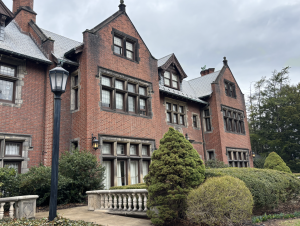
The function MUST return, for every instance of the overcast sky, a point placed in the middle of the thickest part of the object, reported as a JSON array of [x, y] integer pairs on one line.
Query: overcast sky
[[256, 36]]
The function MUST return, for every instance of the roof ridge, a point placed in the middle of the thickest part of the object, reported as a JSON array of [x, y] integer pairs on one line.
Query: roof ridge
[[59, 35], [202, 76], [165, 56]]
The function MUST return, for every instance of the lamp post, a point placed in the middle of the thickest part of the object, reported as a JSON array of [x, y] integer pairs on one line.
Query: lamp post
[[58, 80]]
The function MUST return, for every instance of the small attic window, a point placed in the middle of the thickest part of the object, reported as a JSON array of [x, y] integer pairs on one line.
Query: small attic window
[[171, 80]]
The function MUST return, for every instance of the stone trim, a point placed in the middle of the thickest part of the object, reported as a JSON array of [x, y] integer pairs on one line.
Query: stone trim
[[207, 154], [198, 121], [21, 72], [26, 147], [203, 120]]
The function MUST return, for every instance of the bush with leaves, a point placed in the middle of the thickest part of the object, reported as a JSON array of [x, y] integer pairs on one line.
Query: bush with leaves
[[275, 162], [132, 186], [38, 182], [268, 187], [9, 181], [259, 161], [175, 170], [215, 163], [220, 201], [85, 172]]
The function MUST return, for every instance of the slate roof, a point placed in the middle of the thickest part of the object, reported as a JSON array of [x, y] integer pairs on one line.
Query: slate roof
[[17, 43], [162, 61], [62, 45], [202, 85]]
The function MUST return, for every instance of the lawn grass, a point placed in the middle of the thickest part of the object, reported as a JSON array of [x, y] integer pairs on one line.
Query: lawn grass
[[295, 222]]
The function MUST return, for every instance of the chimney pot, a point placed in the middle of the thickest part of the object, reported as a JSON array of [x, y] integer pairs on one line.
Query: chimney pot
[[207, 71], [22, 3]]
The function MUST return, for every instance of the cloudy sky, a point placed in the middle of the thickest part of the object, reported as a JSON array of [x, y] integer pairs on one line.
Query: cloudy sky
[[256, 36]]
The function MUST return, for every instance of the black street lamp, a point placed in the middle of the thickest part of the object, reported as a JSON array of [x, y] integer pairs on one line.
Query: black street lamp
[[58, 80]]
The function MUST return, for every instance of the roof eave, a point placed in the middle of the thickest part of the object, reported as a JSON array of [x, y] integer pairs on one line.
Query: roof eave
[[184, 97]]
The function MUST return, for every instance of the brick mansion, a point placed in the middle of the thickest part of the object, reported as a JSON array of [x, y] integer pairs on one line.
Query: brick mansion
[[117, 92]]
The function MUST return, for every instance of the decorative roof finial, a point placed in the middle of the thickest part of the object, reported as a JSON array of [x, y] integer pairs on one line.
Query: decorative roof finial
[[225, 61], [122, 1], [122, 6]]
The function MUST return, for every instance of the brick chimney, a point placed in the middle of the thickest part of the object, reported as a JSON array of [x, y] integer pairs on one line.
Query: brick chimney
[[207, 71], [23, 10]]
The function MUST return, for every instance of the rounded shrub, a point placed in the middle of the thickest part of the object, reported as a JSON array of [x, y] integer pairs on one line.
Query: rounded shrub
[[175, 170], [215, 163], [275, 162], [268, 187], [220, 201]]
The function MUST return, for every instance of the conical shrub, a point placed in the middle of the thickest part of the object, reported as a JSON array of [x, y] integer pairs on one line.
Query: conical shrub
[[275, 162], [175, 170]]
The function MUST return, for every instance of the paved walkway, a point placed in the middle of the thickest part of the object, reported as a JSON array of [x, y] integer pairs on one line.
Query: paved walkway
[[105, 219]]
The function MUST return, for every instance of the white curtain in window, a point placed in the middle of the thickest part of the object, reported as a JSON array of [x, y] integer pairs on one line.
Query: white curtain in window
[[132, 149], [12, 149], [134, 171], [107, 180], [12, 165], [145, 168], [144, 150], [106, 148], [119, 174]]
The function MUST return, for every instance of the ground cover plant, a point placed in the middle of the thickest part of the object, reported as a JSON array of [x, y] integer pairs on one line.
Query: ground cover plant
[[175, 170], [44, 222], [258, 219], [220, 201], [268, 187], [275, 162]]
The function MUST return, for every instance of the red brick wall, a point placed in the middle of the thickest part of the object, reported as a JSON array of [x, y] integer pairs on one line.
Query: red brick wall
[[23, 18], [19, 3]]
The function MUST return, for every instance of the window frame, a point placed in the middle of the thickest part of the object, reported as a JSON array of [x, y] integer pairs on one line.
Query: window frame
[[171, 80], [148, 150], [12, 79], [207, 120], [111, 148], [236, 157], [75, 88], [230, 89], [125, 149], [175, 111], [18, 162], [235, 121], [12, 142], [195, 121], [136, 149]]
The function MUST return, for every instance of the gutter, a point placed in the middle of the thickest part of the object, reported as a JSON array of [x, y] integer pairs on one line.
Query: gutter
[[188, 98]]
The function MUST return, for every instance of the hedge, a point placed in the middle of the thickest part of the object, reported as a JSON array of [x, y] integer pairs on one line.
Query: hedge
[[268, 187], [133, 186]]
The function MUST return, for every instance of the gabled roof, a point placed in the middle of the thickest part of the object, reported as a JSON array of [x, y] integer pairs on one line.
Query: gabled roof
[[165, 62], [202, 85], [19, 44], [62, 45], [6, 12]]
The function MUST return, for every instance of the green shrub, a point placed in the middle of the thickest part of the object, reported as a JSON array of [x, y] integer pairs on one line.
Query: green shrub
[[85, 172], [220, 201], [133, 186], [259, 162], [275, 162], [268, 187], [214, 163], [38, 182], [176, 168], [10, 182], [44, 222]]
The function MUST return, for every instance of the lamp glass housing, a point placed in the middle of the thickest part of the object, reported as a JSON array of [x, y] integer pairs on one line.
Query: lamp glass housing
[[95, 143], [58, 79]]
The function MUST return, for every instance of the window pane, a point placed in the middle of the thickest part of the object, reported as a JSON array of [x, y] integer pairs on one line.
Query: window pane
[[134, 172], [174, 107], [168, 106], [119, 101], [117, 41], [106, 148], [106, 81], [206, 112], [175, 85], [167, 75], [119, 84], [121, 149], [9, 71], [144, 150], [129, 46], [118, 50], [142, 91], [133, 149], [145, 168], [174, 77], [168, 117], [142, 104], [195, 121], [175, 119], [107, 180], [181, 120], [105, 98], [12, 165], [129, 55], [131, 88], [131, 104], [121, 173], [167, 82], [181, 109], [6, 90], [12, 149]]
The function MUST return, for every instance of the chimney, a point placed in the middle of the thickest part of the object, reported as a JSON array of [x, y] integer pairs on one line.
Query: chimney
[[23, 10], [207, 71], [22, 3]]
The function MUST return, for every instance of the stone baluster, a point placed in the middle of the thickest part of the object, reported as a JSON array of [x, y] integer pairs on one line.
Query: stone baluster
[[140, 202], [11, 210], [116, 201], [134, 202], [106, 201], [1, 210], [120, 202], [129, 202], [102, 201], [145, 202], [124, 201], [110, 201]]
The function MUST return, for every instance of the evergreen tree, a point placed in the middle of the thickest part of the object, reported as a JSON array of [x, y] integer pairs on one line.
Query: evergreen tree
[[275, 162], [176, 168]]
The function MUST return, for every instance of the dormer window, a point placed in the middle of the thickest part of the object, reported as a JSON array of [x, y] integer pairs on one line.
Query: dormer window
[[171, 80]]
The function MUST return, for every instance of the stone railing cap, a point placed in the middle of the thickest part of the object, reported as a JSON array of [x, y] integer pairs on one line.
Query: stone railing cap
[[118, 191], [17, 198]]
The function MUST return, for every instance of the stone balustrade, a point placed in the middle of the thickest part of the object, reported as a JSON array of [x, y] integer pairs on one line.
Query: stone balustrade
[[25, 206], [121, 202]]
